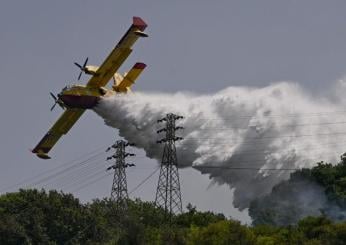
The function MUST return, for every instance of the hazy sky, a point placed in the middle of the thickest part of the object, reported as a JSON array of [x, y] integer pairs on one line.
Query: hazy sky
[[199, 46]]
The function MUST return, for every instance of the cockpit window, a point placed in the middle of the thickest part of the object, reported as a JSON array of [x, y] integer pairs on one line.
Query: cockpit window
[[67, 87]]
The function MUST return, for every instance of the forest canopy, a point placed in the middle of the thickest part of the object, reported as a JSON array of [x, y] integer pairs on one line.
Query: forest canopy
[[320, 190], [40, 217]]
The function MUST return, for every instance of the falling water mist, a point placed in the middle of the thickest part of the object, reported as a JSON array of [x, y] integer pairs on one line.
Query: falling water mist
[[248, 138]]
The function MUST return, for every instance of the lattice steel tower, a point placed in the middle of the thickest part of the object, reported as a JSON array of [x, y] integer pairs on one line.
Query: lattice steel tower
[[168, 195], [119, 188]]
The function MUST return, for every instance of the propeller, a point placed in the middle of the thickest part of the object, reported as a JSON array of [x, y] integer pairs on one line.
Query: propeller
[[82, 68], [57, 101]]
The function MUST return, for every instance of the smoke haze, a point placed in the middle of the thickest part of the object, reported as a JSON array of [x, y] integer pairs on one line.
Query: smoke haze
[[254, 130], [294, 199]]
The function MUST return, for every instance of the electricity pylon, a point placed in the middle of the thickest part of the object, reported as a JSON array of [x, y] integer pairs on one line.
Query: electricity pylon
[[119, 187], [168, 195]]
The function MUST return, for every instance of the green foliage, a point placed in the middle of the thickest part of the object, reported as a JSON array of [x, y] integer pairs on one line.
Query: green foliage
[[225, 232], [38, 217], [50, 218], [333, 178], [11, 232], [309, 192], [194, 217]]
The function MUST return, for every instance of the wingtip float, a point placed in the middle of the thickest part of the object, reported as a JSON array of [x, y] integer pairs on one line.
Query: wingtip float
[[75, 99]]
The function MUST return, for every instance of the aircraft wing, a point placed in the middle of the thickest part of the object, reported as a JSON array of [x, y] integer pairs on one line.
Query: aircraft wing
[[61, 127], [119, 54]]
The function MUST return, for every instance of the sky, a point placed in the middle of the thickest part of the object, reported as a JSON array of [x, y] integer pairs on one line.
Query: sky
[[197, 46]]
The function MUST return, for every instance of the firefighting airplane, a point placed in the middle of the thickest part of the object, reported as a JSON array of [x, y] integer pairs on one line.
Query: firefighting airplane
[[75, 99]]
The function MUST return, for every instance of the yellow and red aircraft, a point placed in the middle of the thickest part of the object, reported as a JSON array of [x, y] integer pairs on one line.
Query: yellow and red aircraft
[[75, 99]]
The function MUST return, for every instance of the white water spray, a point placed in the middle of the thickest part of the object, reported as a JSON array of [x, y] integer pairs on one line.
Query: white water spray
[[241, 134]]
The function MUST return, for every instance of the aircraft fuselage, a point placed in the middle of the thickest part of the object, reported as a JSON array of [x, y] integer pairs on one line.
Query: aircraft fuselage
[[79, 96]]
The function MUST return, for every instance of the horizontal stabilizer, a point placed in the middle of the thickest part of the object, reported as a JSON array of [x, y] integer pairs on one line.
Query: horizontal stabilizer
[[130, 78]]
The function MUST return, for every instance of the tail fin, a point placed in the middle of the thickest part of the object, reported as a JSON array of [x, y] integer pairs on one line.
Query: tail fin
[[117, 78], [129, 78]]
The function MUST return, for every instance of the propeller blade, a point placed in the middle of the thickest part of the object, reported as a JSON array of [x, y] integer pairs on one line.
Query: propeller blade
[[61, 105], [80, 67], [52, 108], [53, 96], [57, 101], [80, 74], [85, 62]]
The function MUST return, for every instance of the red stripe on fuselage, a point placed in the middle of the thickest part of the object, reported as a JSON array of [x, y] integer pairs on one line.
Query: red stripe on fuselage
[[80, 101]]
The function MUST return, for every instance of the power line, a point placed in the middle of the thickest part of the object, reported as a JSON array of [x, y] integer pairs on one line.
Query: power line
[[268, 162], [65, 170], [247, 141], [233, 127], [30, 180], [75, 174], [145, 180], [84, 178], [247, 168], [264, 150], [92, 182], [307, 114], [272, 137]]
